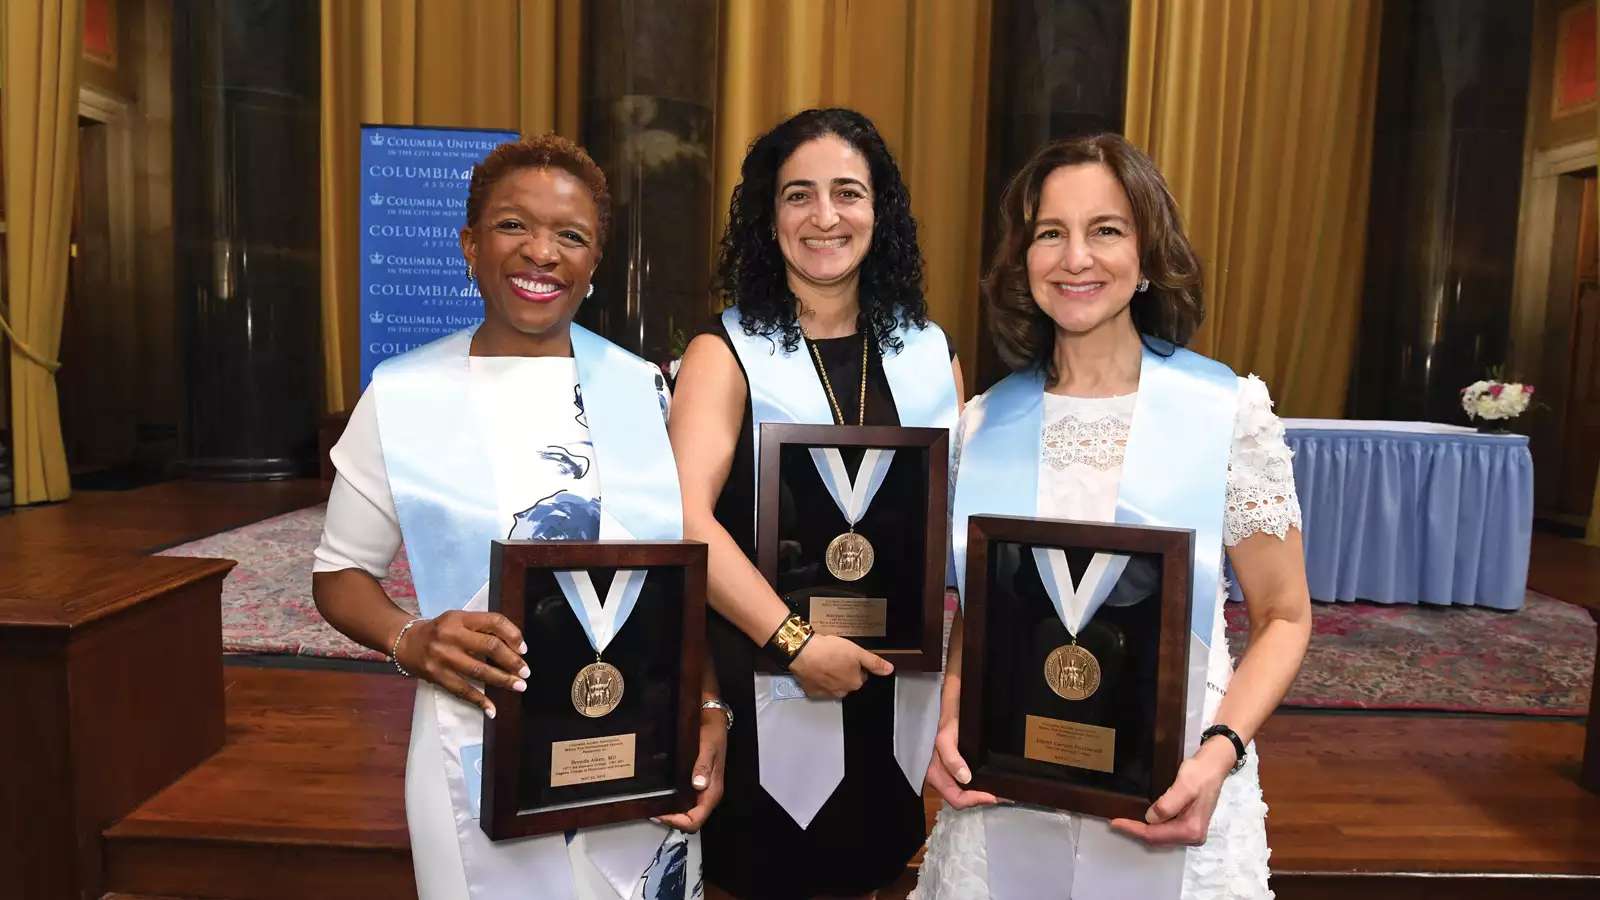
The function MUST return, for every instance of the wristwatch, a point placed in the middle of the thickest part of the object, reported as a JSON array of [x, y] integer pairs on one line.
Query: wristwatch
[[1233, 738], [786, 643], [714, 703]]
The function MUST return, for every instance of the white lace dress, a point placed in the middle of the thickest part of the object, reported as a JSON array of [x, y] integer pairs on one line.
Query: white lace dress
[[1080, 467]]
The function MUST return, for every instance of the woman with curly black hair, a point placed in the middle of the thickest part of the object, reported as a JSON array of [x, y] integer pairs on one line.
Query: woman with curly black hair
[[826, 324]]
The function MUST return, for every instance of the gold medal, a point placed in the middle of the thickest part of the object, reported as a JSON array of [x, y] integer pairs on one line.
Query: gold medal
[[1072, 672], [849, 557], [597, 690]]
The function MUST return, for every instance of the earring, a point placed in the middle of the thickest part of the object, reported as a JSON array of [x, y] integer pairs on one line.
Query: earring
[[1144, 285], [469, 273], [590, 291]]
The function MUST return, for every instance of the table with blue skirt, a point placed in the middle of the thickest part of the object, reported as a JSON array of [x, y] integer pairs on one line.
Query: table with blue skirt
[[1413, 512]]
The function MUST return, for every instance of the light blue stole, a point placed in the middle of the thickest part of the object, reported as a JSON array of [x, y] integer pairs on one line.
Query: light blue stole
[[800, 742], [435, 433], [442, 479], [1174, 474], [784, 386]]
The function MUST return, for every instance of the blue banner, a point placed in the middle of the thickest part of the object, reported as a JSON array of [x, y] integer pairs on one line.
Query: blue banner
[[414, 285]]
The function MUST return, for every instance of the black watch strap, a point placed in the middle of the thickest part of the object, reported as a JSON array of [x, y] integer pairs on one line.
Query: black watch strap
[[1233, 738]]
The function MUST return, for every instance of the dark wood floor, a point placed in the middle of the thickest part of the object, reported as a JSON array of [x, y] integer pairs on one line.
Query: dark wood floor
[[1352, 796], [150, 518], [310, 781]]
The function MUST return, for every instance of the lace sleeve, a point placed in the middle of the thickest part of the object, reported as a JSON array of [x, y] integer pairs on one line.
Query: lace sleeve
[[1261, 497]]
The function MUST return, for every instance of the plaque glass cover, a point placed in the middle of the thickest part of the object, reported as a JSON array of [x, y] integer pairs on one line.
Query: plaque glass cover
[[1082, 711], [596, 738], [875, 580]]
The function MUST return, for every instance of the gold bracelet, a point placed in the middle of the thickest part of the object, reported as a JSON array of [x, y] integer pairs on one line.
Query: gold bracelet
[[790, 638]]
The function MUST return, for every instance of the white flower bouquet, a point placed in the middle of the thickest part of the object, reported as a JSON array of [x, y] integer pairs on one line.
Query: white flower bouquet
[[1496, 400]]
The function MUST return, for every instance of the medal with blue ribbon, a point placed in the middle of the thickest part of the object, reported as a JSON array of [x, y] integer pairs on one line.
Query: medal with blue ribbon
[[1070, 670], [850, 556], [597, 689]]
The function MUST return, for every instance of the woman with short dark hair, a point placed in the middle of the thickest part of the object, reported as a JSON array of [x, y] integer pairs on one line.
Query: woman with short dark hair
[[826, 324], [1091, 293], [509, 430]]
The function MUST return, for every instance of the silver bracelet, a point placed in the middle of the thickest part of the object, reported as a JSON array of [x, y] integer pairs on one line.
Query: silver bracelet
[[395, 650], [718, 704]]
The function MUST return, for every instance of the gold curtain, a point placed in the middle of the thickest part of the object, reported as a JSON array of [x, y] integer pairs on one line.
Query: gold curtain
[[487, 64], [918, 68], [1260, 114], [39, 111]]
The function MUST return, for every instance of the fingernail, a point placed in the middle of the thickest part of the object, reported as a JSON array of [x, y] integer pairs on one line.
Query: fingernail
[[655, 820], [519, 686], [525, 672], [488, 711], [700, 781], [965, 775], [522, 647]]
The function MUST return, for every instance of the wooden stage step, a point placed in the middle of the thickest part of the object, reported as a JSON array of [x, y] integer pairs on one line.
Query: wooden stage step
[[305, 800]]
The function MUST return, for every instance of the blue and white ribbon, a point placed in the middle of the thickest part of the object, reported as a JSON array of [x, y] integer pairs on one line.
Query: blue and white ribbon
[[853, 496], [601, 622]]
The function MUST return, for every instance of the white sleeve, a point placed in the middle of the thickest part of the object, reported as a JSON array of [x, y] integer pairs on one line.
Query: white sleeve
[[361, 530], [1261, 498]]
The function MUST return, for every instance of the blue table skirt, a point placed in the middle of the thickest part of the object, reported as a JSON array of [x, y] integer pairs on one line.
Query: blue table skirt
[[1394, 517]]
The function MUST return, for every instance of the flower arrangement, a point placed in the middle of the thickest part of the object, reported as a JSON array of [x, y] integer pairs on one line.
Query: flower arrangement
[[1495, 400]]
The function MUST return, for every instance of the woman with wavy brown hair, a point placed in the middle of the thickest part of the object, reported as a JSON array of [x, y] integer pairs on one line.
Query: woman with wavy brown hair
[[1091, 294]]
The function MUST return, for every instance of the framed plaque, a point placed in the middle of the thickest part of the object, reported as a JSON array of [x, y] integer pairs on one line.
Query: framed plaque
[[1075, 657], [852, 533], [598, 737]]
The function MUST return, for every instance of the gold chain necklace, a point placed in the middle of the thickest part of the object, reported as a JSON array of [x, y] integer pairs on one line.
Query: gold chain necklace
[[861, 403]]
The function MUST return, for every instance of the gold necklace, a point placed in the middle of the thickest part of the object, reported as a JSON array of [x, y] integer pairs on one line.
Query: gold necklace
[[849, 556], [861, 403]]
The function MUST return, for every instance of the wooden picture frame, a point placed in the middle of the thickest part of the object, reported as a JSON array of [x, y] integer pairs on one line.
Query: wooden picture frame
[[923, 651], [1067, 789], [506, 736]]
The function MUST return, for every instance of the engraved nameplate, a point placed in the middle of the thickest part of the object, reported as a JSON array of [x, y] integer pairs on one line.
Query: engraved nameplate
[[589, 760], [850, 616], [1070, 743]]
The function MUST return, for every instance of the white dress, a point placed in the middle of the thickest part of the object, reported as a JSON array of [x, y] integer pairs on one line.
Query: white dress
[[547, 488], [1080, 466]]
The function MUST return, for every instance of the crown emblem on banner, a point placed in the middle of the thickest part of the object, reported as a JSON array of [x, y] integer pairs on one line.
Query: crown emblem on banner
[[376, 259], [377, 140], [376, 318], [376, 199]]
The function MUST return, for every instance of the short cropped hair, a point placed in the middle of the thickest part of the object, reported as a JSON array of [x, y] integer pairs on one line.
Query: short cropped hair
[[1170, 310], [545, 151]]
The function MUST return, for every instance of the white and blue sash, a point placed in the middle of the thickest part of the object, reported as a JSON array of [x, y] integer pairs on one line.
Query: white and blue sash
[[1174, 474], [800, 741], [434, 430]]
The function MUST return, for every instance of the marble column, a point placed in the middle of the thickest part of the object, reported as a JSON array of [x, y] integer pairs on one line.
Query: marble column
[[649, 94], [245, 78], [1058, 68], [1442, 225]]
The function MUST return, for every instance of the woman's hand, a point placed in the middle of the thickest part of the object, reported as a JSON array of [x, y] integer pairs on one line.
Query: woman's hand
[[829, 667], [1183, 814], [947, 771], [708, 769], [459, 648]]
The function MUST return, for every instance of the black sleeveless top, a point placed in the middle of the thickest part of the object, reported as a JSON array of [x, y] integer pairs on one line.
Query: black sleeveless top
[[873, 823]]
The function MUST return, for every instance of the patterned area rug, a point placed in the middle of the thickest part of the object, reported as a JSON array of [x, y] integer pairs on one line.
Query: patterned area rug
[[1537, 661], [266, 599]]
